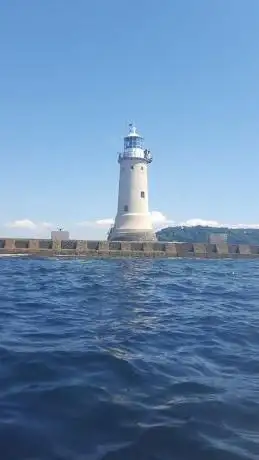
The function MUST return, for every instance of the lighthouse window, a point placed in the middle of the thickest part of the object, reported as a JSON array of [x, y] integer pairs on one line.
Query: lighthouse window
[[142, 194], [126, 208], [132, 167], [133, 142]]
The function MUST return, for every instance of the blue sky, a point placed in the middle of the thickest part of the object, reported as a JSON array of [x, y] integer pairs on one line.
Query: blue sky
[[73, 74]]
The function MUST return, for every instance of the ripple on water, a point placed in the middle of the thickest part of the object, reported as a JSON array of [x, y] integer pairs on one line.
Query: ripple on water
[[129, 359]]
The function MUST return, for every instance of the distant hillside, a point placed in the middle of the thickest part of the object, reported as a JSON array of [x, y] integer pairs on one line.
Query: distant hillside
[[201, 234]]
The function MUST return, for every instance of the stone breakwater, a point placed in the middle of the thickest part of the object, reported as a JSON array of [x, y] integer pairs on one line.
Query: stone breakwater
[[90, 248]]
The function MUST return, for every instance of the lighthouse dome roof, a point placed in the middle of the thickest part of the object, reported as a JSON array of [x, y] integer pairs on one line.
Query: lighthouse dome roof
[[132, 131]]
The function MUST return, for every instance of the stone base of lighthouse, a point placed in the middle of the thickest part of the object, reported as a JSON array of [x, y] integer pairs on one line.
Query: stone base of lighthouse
[[132, 227], [130, 235]]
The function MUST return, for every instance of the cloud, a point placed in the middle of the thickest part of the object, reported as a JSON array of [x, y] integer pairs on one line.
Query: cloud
[[24, 223], [157, 217], [214, 223], [28, 224], [202, 222], [105, 222], [97, 229], [159, 220]]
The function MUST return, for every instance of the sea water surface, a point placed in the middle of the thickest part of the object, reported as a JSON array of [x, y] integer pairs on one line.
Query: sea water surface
[[129, 359]]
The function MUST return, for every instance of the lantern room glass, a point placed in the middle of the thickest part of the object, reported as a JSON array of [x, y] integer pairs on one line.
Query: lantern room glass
[[133, 142]]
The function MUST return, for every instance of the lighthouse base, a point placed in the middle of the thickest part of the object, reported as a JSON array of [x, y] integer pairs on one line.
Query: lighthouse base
[[130, 235]]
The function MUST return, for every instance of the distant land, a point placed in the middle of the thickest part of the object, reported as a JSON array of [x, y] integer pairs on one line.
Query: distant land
[[201, 234]]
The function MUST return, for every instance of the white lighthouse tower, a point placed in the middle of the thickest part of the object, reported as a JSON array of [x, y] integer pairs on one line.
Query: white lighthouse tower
[[133, 220]]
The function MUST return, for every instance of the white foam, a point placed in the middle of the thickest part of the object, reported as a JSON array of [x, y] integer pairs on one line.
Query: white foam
[[13, 255]]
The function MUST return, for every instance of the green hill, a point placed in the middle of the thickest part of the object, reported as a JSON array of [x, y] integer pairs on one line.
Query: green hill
[[201, 234]]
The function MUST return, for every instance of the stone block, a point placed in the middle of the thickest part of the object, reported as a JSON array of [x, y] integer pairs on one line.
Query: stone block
[[160, 254], [103, 246], [92, 253], [136, 253], [184, 249], [170, 249], [148, 254], [34, 245], [45, 252], [211, 250], [200, 249], [148, 246], [158, 246], [137, 246], [254, 250], [125, 246], [92, 245], [115, 245], [233, 249], [68, 244], [56, 245], [222, 249], [81, 246], [21, 244], [244, 249], [117, 253], [9, 244], [103, 253], [67, 252], [45, 244]]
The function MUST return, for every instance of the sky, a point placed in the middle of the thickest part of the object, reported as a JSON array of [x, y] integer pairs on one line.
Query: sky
[[73, 74]]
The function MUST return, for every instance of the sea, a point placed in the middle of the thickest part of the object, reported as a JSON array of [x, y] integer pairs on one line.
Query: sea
[[129, 359]]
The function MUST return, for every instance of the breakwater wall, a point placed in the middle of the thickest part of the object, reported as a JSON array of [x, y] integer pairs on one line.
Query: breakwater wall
[[90, 248]]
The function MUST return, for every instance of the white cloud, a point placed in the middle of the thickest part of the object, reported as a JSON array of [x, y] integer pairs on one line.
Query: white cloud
[[105, 222], [27, 224], [23, 223], [157, 218], [213, 223], [202, 222], [98, 229]]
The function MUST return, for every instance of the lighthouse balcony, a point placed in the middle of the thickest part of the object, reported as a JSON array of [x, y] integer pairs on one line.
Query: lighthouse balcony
[[137, 155]]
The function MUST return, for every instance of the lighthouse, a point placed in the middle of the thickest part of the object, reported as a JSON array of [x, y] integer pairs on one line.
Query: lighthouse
[[133, 220]]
